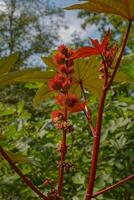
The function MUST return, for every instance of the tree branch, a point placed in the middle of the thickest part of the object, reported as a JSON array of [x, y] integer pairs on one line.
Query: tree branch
[[23, 177], [113, 186]]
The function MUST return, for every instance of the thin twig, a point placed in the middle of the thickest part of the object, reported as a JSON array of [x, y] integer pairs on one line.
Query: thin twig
[[88, 116], [87, 113], [113, 186], [23, 177]]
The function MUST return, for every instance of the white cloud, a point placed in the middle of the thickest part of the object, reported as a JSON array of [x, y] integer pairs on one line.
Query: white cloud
[[74, 26], [2, 6]]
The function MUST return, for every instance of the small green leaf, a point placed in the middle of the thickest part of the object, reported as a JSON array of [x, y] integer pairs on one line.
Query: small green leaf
[[20, 106], [78, 179], [8, 111], [32, 86], [25, 115]]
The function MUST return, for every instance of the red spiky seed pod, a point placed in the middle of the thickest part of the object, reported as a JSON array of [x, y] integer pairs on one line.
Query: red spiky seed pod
[[59, 59]]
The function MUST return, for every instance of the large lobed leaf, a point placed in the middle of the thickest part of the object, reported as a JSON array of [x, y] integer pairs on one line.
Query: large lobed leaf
[[123, 8], [86, 72], [30, 75]]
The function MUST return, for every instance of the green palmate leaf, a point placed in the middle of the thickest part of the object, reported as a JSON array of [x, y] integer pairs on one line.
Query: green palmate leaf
[[7, 63], [48, 61], [123, 8], [86, 72], [42, 94], [30, 75]]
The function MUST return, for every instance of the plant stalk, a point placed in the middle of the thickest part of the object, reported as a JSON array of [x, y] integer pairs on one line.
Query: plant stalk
[[22, 176], [63, 154], [99, 121], [113, 186], [96, 148]]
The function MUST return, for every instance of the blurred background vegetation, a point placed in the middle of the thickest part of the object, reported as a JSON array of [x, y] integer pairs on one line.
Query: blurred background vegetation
[[31, 28]]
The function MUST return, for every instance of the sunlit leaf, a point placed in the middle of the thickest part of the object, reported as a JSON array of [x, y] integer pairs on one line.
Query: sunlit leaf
[[7, 63], [86, 72], [123, 8], [78, 179], [8, 111], [42, 94], [32, 85], [30, 75]]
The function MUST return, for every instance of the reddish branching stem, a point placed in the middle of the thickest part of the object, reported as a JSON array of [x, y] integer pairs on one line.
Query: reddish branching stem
[[106, 86], [96, 148], [63, 153], [113, 186], [26, 180]]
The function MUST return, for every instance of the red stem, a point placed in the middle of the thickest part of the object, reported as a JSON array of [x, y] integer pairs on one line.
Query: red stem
[[120, 56], [113, 186], [63, 154], [99, 122], [23, 177], [96, 148]]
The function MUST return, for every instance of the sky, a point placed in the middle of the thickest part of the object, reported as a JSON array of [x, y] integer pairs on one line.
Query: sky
[[74, 24]]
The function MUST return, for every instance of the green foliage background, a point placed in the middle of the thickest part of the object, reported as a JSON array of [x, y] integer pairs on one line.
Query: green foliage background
[[29, 136]]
